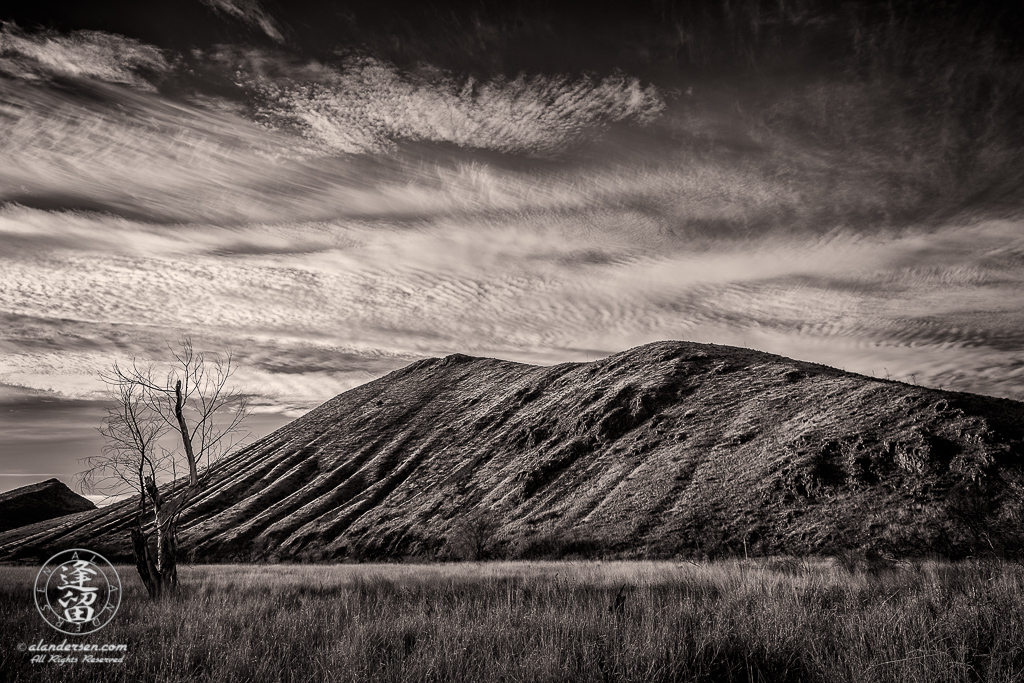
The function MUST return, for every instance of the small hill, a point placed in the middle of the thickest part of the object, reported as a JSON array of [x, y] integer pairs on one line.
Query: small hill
[[38, 502], [669, 448]]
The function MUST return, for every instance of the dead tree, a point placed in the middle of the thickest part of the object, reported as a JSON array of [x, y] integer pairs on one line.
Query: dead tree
[[160, 426]]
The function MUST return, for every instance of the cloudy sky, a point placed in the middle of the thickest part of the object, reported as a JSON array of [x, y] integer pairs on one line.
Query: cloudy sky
[[331, 219]]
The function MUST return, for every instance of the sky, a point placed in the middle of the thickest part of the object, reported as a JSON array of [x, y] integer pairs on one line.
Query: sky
[[331, 218]]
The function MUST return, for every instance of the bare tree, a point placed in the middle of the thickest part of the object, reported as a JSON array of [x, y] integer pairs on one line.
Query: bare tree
[[160, 426], [474, 538]]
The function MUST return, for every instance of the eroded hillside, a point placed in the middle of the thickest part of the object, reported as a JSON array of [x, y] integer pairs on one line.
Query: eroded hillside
[[670, 448]]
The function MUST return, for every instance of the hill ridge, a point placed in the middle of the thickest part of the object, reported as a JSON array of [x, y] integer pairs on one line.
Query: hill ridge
[[38, 502]]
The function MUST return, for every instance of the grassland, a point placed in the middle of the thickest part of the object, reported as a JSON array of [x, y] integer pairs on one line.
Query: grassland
[[765, 620]]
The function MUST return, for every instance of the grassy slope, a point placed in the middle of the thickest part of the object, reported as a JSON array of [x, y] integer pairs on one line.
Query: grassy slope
[[732, 621], [668, 448]]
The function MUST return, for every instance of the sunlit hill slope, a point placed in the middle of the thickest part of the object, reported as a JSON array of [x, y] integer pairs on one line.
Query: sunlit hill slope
[[667, 449]]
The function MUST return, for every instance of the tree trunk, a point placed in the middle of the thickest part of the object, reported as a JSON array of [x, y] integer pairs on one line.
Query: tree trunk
[[160, 577], [144, 561], [186, 440], [167, 555]]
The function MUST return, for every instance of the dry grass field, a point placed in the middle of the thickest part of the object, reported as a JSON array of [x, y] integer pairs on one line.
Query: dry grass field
[[764, 620]]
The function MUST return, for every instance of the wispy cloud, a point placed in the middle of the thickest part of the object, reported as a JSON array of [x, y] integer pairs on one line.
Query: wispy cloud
[[398, 215], [251, 12], [364, 298], [366, 105], [103, 56]]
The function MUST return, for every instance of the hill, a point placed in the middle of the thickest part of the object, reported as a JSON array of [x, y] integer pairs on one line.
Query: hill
[[669, 448], [38, 502]]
